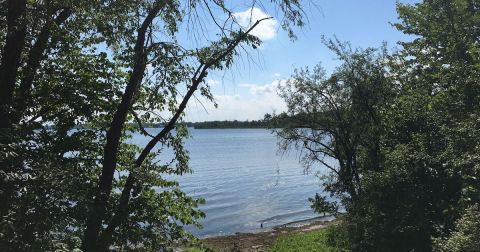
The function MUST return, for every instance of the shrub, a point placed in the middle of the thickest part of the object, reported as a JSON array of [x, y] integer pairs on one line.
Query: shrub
[[466, 236]]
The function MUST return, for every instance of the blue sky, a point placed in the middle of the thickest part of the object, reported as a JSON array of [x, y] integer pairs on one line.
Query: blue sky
[[248, 90]]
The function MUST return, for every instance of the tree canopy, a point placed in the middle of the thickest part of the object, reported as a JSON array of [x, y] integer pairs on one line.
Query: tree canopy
[[403, 127], [105, 64]]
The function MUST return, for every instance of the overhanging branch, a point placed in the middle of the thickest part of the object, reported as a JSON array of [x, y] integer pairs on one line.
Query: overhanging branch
[[200, 73]]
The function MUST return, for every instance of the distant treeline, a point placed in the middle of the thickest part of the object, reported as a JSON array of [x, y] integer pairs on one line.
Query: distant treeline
[[268, 121], [229, 124], [207, 124]]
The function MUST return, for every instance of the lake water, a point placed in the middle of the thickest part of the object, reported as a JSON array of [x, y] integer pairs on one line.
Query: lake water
[[244, 180]]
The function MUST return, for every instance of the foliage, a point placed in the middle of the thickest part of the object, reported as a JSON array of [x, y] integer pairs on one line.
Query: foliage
[[309, 241], [431, 162], [41, 199], [465, 236], [337, 236], [337, 117], [194, 250], [414, 141], [321, 204], [104, 64]]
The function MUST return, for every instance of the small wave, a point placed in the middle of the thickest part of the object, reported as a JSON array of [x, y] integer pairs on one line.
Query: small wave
[[286, 215], [297, 223]]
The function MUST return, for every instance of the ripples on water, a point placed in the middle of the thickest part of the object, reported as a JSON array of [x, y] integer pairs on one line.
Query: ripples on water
[[244, 181]]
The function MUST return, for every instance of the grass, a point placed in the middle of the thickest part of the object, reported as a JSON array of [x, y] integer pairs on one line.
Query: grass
[[310, 241], [300, 242], [194, 250], [201, 248]]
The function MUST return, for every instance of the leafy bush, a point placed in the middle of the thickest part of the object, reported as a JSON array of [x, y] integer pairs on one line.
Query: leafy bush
[[466, 236], [337, 236]]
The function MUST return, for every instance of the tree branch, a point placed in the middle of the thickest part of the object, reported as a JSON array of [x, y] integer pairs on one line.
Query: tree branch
[[200, 73], [11, 56], [140, 124], [97, 212]]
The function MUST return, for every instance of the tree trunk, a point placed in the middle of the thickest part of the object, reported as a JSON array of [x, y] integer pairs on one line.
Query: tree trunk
[[11, 56], [35, 56], [122, 208], [10, 62], [114, 133]]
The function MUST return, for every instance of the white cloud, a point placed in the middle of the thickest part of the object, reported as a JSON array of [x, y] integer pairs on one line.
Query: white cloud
[[266, 30], [264, 89], [212, 82], [261, 100]]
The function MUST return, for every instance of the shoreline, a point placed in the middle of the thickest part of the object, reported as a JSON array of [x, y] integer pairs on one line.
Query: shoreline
[[260, 241], [291, 224]]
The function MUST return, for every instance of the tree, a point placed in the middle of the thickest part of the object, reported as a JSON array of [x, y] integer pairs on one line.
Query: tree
[[416, 149], [417, 153], [465, 236], [431, 131], [49, 72], [338, 118], [103, 64], [337, 123]]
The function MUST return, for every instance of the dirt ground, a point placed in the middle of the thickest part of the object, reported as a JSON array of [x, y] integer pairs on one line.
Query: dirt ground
[[259, 241]]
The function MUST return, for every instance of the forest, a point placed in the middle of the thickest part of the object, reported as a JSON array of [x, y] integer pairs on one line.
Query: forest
[[402, 125]]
